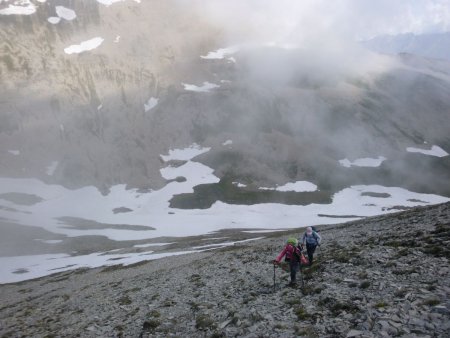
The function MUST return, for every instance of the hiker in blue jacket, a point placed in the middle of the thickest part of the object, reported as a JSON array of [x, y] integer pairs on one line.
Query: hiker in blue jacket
[[312, 240]]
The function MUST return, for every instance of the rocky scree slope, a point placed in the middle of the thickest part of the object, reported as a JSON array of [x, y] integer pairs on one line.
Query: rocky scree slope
[[381, 276]]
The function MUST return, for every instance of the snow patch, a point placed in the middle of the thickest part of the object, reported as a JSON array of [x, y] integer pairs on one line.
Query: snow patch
[[363, 162], [14, 152], [205, 88], [84, 46], [239, 185], [117, 39], [299, 186], [221, 53], [20, 7], [227, 143], [151, 103], [65, 13], [54, 20], [195, 174], [108, 2], [185, 154], [41, 265], [434, 151]]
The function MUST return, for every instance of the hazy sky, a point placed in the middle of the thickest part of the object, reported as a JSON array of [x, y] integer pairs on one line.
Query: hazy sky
[[354, 19]]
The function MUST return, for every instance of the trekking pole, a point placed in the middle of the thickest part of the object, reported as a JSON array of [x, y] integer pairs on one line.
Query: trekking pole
[[301, 270], [301, 276], [274, 268]]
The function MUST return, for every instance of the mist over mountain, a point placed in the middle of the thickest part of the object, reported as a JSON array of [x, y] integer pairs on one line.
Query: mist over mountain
[[292, 113], [436, 46]]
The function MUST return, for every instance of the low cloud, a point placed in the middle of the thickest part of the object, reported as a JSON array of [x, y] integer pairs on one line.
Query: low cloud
[[308, 20]]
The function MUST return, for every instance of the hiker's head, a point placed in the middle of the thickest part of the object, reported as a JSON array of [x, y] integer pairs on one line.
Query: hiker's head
[[292, 241], [309, 230]]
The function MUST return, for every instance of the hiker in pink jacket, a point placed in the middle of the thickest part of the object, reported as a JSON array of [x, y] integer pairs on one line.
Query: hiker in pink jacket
[[292, 254]]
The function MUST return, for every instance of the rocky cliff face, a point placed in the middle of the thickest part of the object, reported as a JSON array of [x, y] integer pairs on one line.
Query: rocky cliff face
[[289, 119], [382, 276], [86, 111]]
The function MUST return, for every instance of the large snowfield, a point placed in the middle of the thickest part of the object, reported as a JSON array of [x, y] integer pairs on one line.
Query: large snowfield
[[151, 210]]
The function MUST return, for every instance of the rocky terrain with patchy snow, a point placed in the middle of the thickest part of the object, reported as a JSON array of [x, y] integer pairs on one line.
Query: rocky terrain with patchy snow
[[379, 277], [136, 130], [195, 211]]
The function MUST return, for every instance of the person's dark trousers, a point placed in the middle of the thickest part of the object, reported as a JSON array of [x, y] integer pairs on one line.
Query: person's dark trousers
[[310, 248], [293, 267]]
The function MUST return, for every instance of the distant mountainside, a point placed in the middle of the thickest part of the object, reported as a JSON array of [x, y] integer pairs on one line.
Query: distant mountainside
[[429, 45], [95, 95]]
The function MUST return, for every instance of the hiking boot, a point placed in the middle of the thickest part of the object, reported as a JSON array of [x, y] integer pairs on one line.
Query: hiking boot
[[292, 284]]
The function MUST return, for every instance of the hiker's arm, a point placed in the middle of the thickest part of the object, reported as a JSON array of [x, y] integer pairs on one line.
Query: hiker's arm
[[281, 255], [319, 239], [304, 239]]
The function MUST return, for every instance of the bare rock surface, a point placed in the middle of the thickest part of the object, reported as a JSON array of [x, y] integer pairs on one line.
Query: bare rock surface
[[378, 277]]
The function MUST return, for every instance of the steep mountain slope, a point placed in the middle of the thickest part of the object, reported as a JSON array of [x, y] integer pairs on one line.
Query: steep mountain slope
[[81, 119], [86, 111]]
